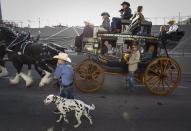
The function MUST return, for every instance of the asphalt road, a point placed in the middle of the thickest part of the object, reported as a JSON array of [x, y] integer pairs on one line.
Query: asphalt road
[[22, 109]]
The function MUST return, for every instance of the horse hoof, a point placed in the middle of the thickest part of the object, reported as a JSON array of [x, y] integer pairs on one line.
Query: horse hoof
[[41, 85], [29, 84], [13, 82], [3, 74], [76, 126]]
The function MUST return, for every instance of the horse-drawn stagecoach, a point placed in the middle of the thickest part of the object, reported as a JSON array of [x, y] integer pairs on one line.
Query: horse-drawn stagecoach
[[160, 74]]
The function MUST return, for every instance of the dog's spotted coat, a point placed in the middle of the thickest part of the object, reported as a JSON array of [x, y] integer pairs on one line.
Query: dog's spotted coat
[[67, 105]]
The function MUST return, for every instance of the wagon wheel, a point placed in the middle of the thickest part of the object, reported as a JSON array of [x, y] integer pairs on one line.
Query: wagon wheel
[[89, 76], [162, 76]]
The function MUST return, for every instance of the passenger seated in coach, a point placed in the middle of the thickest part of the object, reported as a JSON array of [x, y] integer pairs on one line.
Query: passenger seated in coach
[[150, 52], [125, 13], [87, 32], [162, 34], [107, 48], [171, 33], [139, 25], [105, 26], [173, 29]]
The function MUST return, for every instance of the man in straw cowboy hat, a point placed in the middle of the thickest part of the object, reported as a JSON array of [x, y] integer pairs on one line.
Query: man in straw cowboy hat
[[64, 72], [171, 33], [173, 26]]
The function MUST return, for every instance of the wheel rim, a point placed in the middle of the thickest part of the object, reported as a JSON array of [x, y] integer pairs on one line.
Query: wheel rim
[[89, 76], [162, 76]]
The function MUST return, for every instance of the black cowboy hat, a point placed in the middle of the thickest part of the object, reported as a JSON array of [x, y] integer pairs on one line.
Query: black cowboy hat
[[105, 13], [125, 3]]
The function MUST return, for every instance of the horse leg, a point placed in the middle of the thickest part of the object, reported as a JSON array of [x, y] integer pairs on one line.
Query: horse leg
[[40, 72], [25, 77], [16, 79], [46, 79], [29, 73], [3, 69]]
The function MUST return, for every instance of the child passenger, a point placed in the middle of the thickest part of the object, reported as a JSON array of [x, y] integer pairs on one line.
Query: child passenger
[[133, 61]]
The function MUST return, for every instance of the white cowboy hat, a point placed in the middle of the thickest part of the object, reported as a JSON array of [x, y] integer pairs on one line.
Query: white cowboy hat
[[62, 56]]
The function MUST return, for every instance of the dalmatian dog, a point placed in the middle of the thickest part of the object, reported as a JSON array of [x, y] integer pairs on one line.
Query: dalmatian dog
[[66, 105]]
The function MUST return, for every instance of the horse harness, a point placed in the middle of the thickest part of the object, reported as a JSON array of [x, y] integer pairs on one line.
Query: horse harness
[[24, 42]]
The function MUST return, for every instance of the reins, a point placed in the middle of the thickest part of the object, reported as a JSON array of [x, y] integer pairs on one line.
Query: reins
[[13, 42]]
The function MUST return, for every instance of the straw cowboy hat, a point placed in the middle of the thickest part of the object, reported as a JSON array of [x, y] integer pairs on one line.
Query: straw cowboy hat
[[172, 21], [62, 56]]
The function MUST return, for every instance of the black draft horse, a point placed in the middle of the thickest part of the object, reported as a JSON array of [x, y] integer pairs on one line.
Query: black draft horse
[[3, 70], [38, 54], [19, 40]]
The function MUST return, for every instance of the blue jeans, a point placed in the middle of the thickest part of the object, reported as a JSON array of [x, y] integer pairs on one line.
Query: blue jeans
[[130, 79], [67, 92], [116, 23]]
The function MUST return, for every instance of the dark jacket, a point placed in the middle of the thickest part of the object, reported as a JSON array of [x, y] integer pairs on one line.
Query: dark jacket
[[126, 14], [88, 31]]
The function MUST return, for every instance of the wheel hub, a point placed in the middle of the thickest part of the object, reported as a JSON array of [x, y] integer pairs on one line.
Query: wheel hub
[[163, 76]]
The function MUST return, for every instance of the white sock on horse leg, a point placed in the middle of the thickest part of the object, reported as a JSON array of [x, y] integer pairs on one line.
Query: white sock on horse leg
[[15, 80], [3, 71], [46, 79], [29, 73], [26, 78]]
